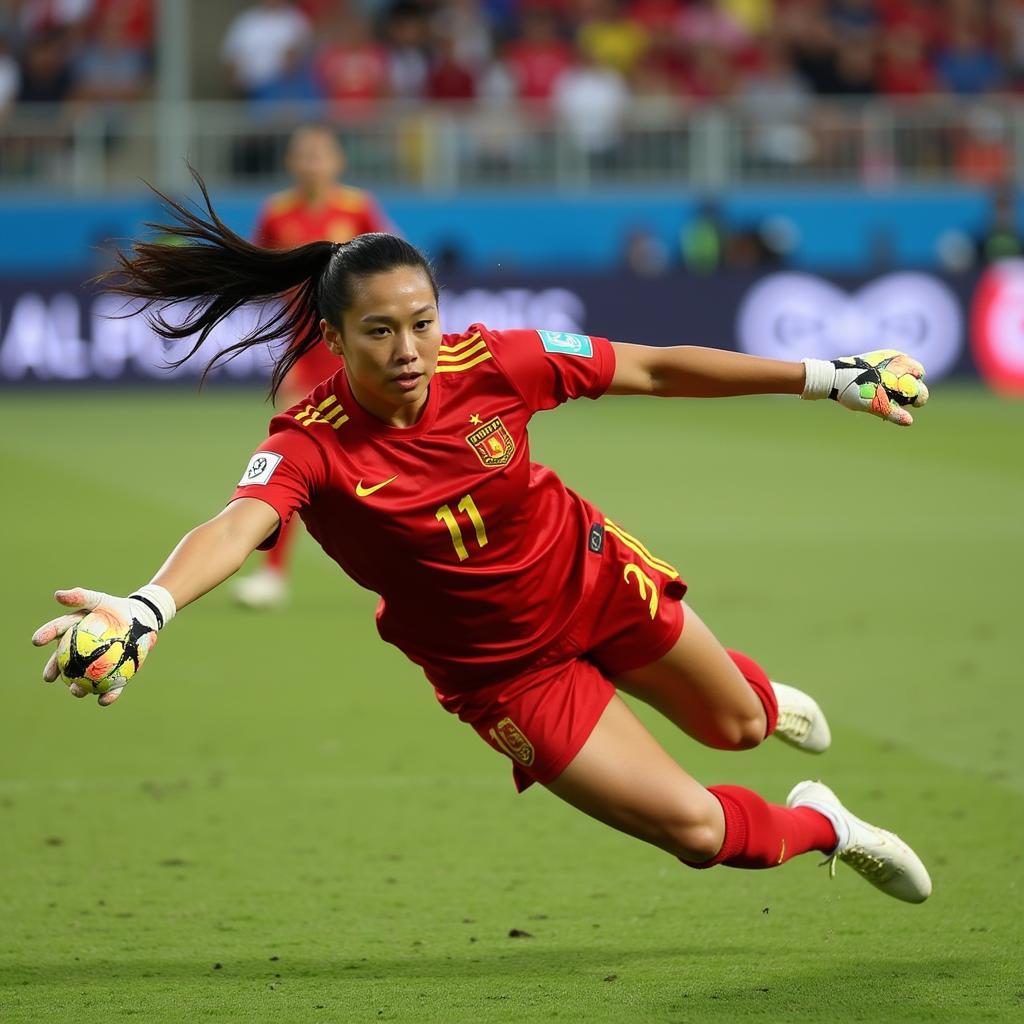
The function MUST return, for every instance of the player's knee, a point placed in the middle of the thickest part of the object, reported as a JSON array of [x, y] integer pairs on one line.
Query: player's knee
[[697, 842], [690, 834], [742, 732]]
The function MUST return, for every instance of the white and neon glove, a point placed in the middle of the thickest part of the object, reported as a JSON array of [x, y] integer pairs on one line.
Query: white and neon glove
[[882, 383], [104, 640]]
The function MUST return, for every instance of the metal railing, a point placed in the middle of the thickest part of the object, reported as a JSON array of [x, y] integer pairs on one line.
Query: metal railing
[[656, 141]]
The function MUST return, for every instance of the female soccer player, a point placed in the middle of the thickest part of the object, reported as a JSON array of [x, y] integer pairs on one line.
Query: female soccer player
[[526, 607]]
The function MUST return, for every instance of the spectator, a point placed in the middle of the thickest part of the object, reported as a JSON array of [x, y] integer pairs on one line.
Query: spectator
[[449, 79], [1002, 238], [705, 23], [111, 68], [855, 66], [352, 67], [712, 73], [609, 36], [465, 21], [702, 240], [1009, 29], [136, 21], [755, 18], [854, 15], [666, 60], [265, 46], [656, 17], [538, 58], [904, 69], [46, 68], [775, 100], [813, 46], [644, 253], [407, 39], [925, 16], [591, 100], [966, 66]]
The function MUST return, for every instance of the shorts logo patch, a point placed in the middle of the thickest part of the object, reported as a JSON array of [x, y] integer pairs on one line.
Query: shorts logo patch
[[567, 344], [260, 469], [492, 443], [509, 737], [596, 539]]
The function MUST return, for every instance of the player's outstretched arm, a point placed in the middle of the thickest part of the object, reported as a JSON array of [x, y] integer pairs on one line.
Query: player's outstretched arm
[[882, 383], [115, 634]]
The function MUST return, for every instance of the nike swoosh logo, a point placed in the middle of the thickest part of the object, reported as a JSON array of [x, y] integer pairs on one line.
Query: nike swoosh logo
[[363, 492]]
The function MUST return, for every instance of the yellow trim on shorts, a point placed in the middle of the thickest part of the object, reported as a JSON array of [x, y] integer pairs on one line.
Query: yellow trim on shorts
[[637, 547]]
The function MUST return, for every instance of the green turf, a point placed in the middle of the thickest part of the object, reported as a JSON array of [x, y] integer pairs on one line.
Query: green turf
[[277, 822]]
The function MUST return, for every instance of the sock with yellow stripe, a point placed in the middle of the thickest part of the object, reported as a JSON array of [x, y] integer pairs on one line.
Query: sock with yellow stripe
[[759, 682], [763, 835]]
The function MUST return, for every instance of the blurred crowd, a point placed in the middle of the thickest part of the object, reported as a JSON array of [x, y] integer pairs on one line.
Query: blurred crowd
[[597, 52], [577, 55], [57, 51]]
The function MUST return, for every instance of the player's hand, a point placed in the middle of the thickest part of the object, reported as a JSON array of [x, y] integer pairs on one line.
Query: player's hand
[[130, 623], [882, 383]]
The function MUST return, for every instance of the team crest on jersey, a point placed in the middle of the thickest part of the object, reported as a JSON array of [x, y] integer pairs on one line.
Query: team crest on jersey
[[509, 737], [492, 443]]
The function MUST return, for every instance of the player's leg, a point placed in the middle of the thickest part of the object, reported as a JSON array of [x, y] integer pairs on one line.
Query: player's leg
[[724, 698], [624, 778]]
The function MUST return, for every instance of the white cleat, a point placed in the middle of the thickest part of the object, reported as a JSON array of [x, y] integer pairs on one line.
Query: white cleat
[[264, 589], [801, 722], [875, 854]]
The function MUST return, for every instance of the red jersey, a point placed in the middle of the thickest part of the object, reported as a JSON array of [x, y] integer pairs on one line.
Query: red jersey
[[286, 220], [478, 554], [537, 67], [354, 73]]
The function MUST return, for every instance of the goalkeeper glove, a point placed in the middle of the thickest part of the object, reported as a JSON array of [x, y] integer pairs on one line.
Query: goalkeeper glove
[[134, 621], [882, 383]]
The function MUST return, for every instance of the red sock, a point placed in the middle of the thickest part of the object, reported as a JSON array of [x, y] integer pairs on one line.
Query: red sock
[[763, 835], [760, 684], [277, 556]]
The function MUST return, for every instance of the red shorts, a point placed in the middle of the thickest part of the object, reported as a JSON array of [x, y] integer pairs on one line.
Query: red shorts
[[631, 615], [316, 365]]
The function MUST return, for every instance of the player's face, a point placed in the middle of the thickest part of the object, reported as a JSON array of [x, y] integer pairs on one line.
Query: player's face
[[314, 160], [389, 339]]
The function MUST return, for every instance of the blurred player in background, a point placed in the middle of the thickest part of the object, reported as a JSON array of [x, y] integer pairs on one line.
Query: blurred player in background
[[318, 207]]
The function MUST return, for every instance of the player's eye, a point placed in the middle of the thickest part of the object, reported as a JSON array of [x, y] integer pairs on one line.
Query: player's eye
[[379, 332], [423, 324]]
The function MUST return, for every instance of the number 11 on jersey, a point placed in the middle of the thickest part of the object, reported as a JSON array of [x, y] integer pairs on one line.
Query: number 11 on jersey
[[445, 515]]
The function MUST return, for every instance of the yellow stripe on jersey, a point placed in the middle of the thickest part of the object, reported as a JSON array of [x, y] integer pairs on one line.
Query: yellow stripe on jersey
[[462, 344], [448, 357], [456, 367], [308, 416], [638, 548]]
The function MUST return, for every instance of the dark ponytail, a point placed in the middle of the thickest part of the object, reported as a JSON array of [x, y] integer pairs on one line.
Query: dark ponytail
[[219, 271]]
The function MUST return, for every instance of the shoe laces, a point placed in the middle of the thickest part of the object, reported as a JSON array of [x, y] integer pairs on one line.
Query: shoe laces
[[873, 868], [793, 723]]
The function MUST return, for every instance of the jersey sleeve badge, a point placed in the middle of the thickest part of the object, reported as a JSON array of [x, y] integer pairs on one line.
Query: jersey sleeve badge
[[561, 343], [260, 469], [492, 443]]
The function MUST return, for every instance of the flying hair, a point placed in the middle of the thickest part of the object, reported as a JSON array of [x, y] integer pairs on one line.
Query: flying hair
[[215, 271]]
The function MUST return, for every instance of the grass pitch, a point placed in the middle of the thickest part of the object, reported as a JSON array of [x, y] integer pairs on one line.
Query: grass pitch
[[278, 823]]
